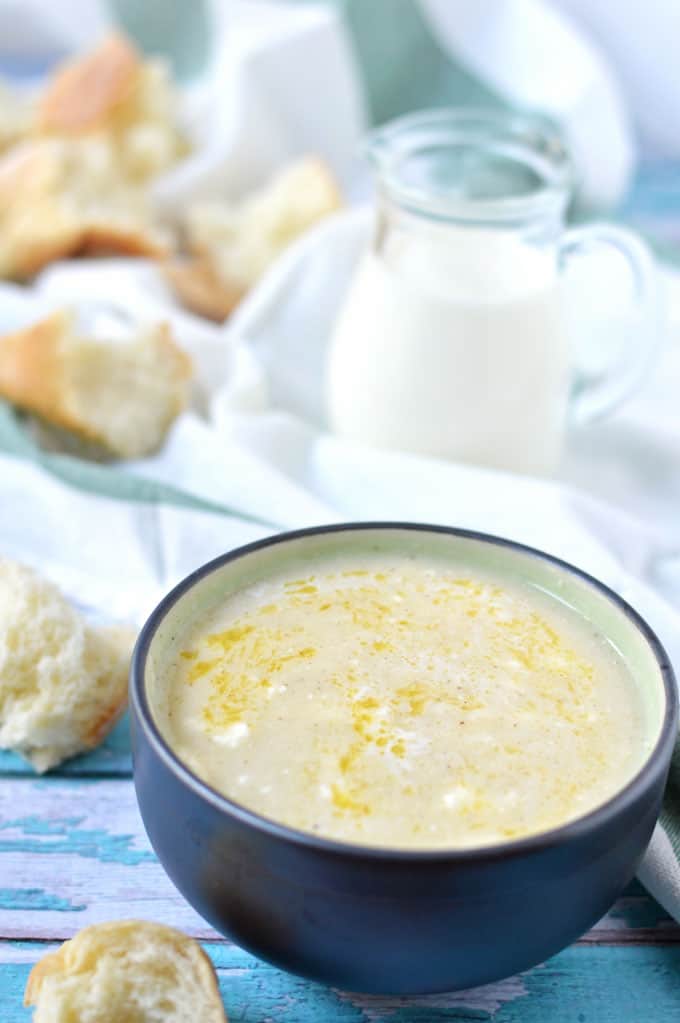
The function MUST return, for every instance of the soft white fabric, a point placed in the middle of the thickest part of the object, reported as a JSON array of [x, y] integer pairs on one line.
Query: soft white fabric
[[260, 104], [506, 43], [640, 43], [659, 872]]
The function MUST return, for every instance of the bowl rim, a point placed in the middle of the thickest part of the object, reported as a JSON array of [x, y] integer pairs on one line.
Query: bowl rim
[[571, 830]]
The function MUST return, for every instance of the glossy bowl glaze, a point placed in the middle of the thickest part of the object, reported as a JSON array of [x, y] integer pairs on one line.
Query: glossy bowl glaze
[[383, 920]]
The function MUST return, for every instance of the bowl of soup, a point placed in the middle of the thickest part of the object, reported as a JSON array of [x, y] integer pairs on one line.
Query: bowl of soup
[[399, 758]]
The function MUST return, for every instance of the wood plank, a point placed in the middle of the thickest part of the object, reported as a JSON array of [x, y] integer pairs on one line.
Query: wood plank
[[589, 985], [74, 851]]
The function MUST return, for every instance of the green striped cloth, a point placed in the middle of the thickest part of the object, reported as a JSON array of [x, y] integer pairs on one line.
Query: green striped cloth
[[101, 479]]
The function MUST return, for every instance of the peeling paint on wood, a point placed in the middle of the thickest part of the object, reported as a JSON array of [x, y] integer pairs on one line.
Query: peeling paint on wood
[[480, 1003], [22, 899], [83, 842], [580, 985], [29, 834]]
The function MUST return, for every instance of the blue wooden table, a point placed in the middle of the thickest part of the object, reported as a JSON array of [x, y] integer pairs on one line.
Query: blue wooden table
[[73, 851]]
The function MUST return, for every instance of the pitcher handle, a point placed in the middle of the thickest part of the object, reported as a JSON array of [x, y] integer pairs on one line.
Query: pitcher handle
[[640, 348]]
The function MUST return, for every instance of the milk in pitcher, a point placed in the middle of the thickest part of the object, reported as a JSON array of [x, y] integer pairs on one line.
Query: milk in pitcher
[[452, 343]]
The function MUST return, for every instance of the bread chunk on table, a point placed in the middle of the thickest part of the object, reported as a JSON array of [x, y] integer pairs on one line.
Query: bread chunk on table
[[63, 683], [127, 971]]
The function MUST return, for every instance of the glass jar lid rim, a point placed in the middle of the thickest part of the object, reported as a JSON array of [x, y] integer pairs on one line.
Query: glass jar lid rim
[[534, 135]]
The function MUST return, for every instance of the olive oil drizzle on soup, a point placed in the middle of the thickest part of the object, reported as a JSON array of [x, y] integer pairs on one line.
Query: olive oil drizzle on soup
[[403, 702]]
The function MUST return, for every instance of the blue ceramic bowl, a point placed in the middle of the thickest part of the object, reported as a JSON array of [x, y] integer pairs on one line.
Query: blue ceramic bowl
[[383, 920]]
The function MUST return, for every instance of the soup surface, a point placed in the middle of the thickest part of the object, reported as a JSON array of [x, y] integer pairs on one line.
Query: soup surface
[[405, 702]]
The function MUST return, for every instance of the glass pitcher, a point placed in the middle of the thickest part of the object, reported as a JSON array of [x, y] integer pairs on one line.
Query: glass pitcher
[[454, 337]]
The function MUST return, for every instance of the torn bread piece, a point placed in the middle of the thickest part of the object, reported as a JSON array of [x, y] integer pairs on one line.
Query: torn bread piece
[[76, 182], [85, 93], [63, 683], [233, 243], [114, 91], [198, 286], [122, 394], [60, 198], [126, 971]]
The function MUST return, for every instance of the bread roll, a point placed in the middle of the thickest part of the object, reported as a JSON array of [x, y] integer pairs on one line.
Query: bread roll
[[232, 244], [122, 395], [114, 91], [75, 163], [63, 684], [199, 287], [62, 198], [85, 93], [127, 971]]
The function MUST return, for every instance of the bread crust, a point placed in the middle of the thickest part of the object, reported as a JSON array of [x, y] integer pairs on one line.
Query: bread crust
[[45, 759], [63, 682], [34, 376], [202, 282], [73, 181], [85, 93], [34, 257], [198, 286], [110, 238], [68, 240], [40, 222], [105, 723], [100, 727], [31, 369], [74, 955]]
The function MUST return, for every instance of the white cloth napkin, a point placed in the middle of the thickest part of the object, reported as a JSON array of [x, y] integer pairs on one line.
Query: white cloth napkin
[[260, 381]]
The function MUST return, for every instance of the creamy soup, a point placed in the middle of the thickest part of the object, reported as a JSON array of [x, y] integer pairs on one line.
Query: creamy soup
[[398, 701]]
